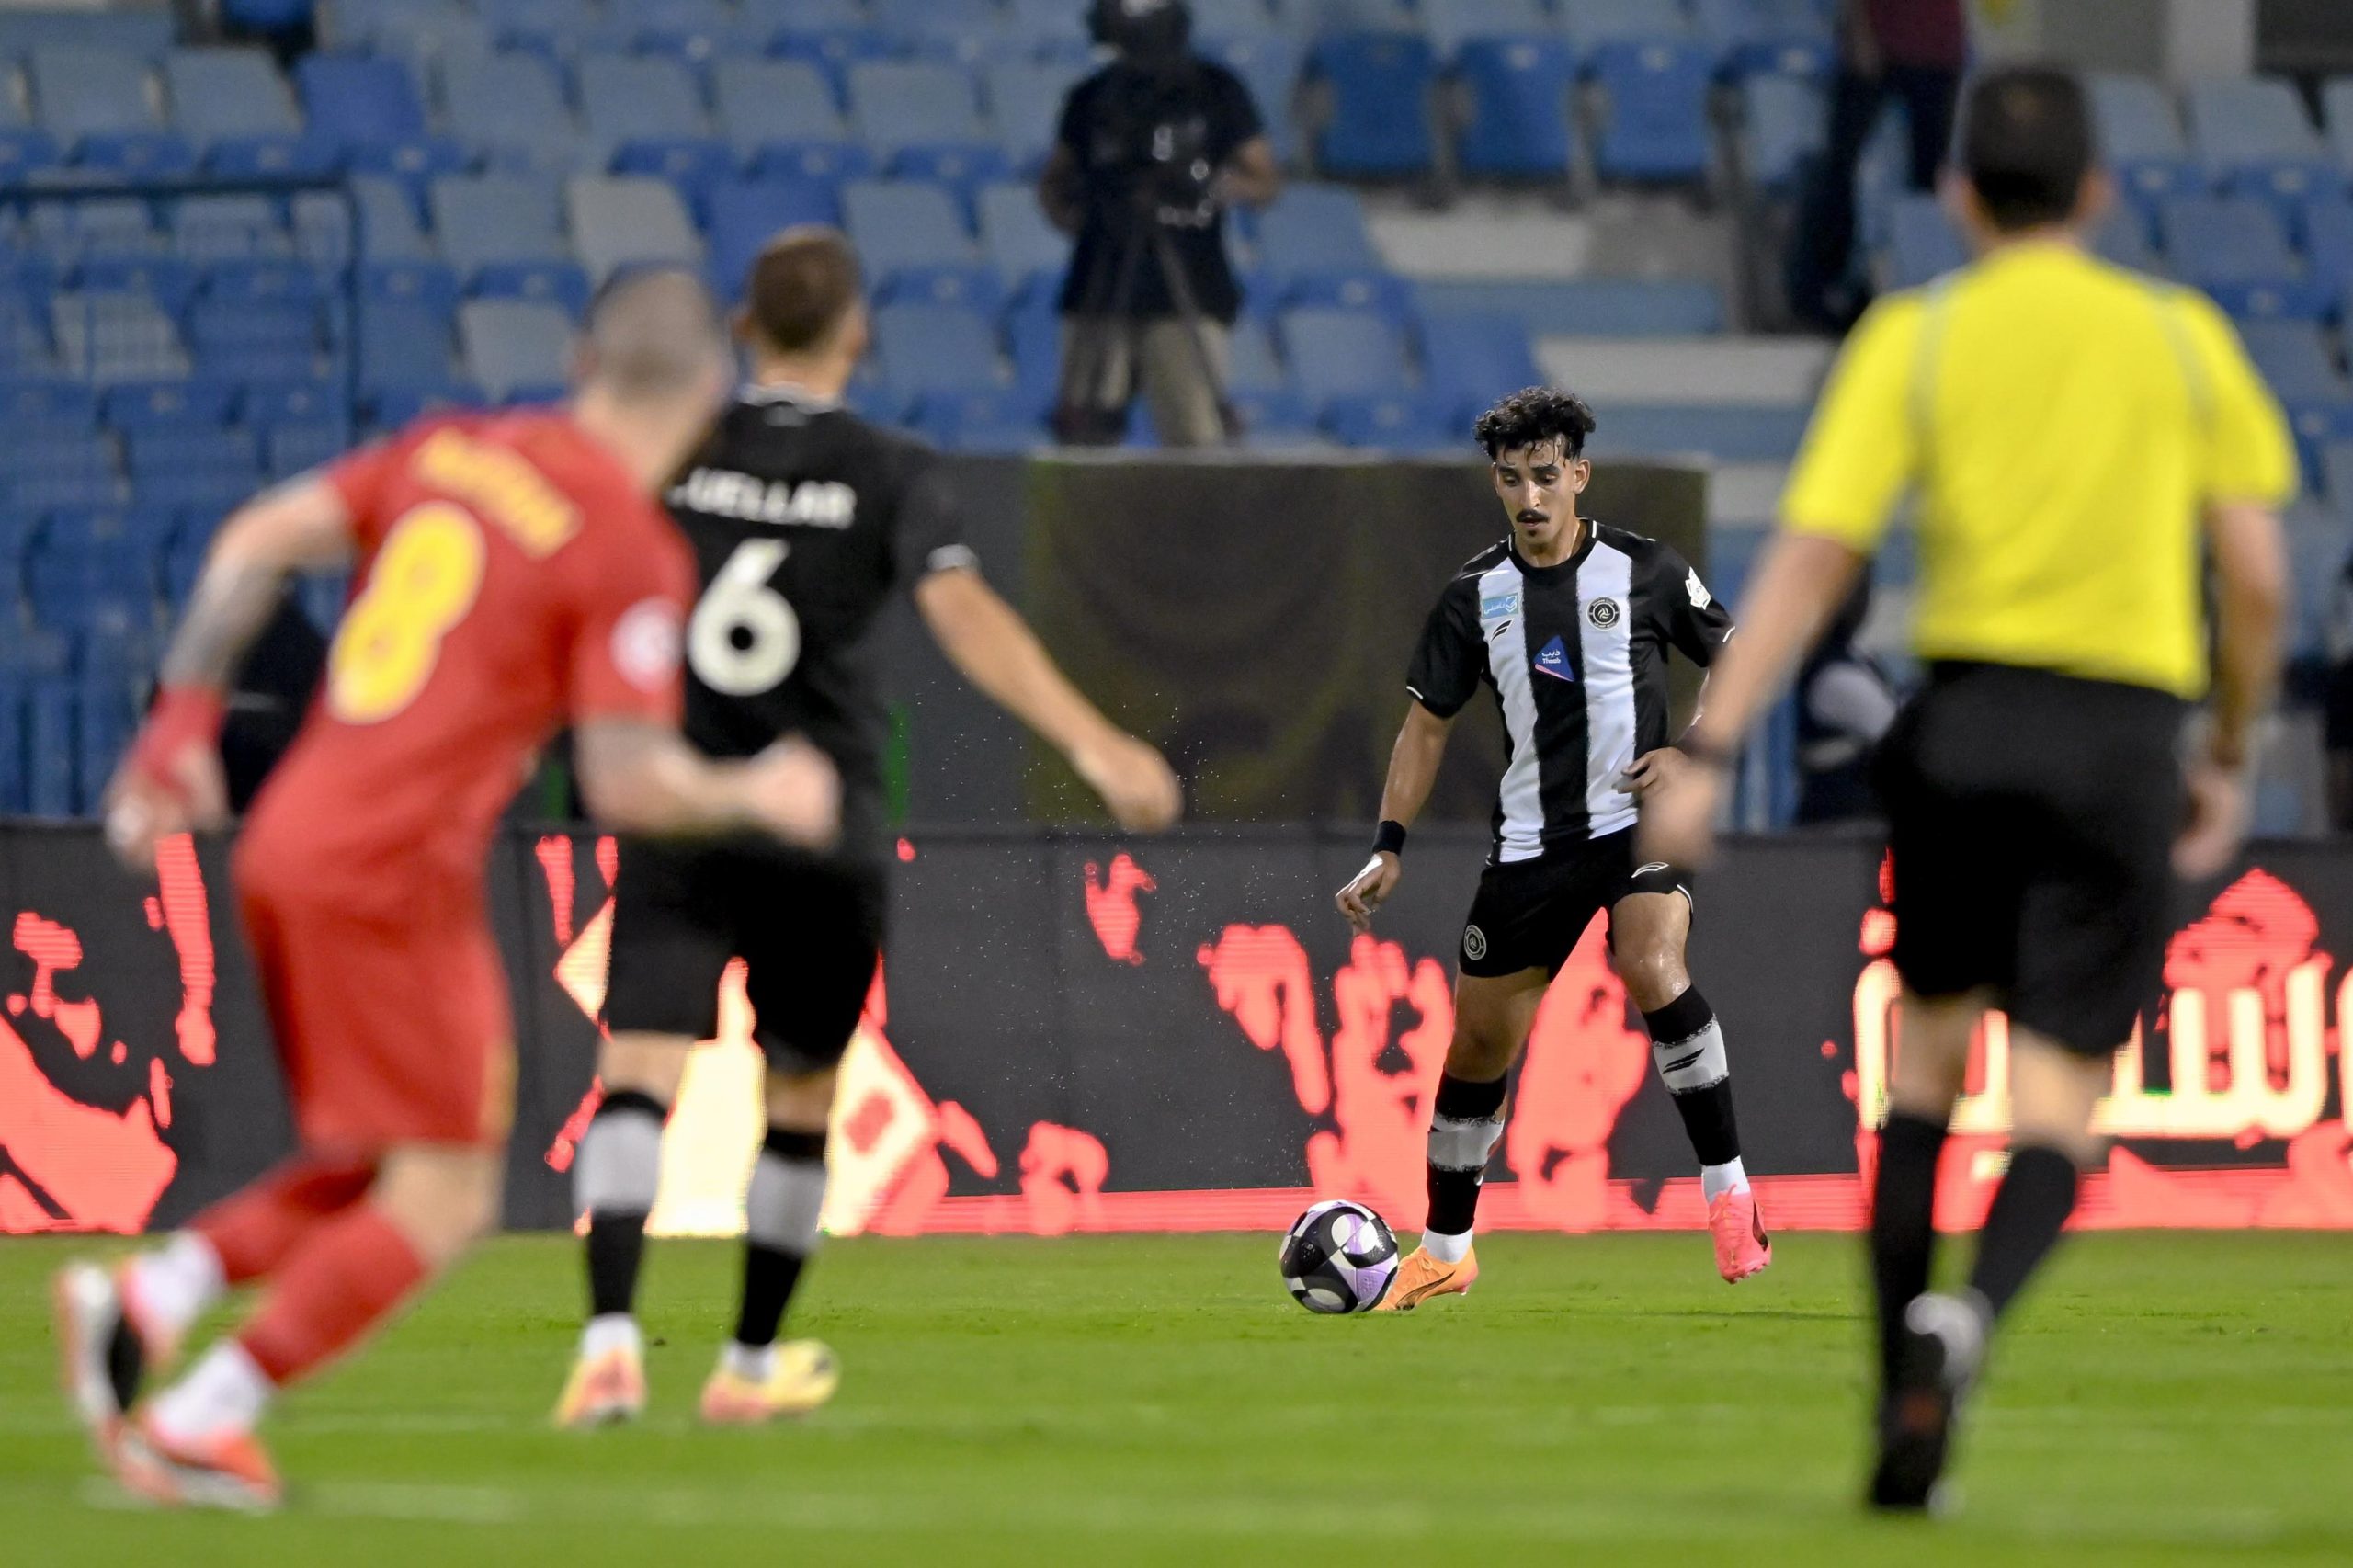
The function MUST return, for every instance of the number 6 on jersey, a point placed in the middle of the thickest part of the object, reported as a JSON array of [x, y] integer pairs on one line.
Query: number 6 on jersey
[[743, 638]]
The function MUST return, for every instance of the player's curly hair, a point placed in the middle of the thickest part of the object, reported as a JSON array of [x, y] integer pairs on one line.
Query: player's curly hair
[[1535, 415]]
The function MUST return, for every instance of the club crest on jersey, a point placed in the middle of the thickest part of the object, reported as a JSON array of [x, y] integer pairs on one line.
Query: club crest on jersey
[[1602, 613], [1554, 660], [1700, 597], [1475, 943]]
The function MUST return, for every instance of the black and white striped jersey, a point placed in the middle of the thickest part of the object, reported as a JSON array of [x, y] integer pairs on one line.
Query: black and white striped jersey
[[1576, 655]]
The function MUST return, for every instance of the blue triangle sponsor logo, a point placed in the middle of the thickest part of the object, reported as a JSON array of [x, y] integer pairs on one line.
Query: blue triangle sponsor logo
[[1554, 660]]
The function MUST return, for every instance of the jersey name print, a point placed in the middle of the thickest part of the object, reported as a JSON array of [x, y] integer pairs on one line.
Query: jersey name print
[[1576, 656]]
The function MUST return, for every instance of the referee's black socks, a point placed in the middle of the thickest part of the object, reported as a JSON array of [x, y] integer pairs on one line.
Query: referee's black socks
[[1688, 1048], [1904, 1235], [2029, 1210]]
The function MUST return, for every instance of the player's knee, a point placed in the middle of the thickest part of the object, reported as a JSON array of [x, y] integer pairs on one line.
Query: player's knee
[[440, 1199], [650, 1064], [1653, 972], [1480, 1053], [801, 1099]]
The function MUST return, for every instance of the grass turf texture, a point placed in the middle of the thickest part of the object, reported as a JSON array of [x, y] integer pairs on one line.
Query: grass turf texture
[[2167, 1398]]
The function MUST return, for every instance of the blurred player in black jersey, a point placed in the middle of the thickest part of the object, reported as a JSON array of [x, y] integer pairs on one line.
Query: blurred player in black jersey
[[804, 521], [1569, 623]]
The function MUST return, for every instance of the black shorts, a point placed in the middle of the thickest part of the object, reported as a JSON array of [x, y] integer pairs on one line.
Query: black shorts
[[2032, 818], [1530, 914], [809, 931]]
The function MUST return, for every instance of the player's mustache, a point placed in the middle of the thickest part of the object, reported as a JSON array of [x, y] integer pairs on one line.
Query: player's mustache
[[1530, 517]]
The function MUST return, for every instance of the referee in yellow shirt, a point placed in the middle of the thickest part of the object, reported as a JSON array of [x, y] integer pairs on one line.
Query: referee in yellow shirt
[[2077, 438]]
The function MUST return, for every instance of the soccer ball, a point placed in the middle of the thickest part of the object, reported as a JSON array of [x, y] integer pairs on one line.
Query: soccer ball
[[1338, 1258]]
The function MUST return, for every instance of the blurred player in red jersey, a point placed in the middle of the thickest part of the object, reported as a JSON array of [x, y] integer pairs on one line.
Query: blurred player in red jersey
[[515, 575]]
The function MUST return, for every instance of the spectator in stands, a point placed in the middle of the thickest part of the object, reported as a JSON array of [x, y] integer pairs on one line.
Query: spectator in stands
[[1913, 51], [1152, 151], [1844, 704], [287, 26]]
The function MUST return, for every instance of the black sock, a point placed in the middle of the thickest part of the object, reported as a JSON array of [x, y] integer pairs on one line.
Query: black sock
[[1689, 1049], [615, 1242], [2023, 1222], [1903, 1229], [780, 1212], [1462, 1131]]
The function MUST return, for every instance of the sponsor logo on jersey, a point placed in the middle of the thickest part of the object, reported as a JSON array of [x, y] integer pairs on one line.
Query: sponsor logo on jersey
[[1554, 660], [1602, 613], [723, 493], [1497, 605], [646, 643], [1700, 597]]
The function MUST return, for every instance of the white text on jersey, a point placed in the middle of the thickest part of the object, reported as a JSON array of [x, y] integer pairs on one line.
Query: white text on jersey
[[719, 492]]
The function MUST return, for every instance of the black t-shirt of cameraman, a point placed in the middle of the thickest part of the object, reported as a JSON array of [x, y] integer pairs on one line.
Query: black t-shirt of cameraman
[[1152, 150]]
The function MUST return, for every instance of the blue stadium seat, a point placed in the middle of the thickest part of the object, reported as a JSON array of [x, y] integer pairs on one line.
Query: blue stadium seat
[[694, 32], [1590, 24], [404, 347], [145, 33], [509, 109], [2140, 138], [51, 452], [1232, 19], [108, 226], [1026, 250], [1451, 23], [26, 153], [2253, 138], [1252, 365], [516, 350], [1344, 353], [368, 106], [1277, 416], [835, 51], [629, 220], [1754, 38], [1315, 230], [927, 349], [764, 101], [167, 405], [208, 229], [1517, 91], [741, 216], [1323, 17], [645, 115], [1922, 243], [961, 31], [1380, 121], [389, 229], [2123, 240], [997, 417], [269, 405], [1394, 421], [1784, 127], [2336, 120], [1268, 65], [1025, 105], [1654, 127], [166, 281], [504, 234], [166, 450], [2236, 249], [914, 247], [768, 18], [294, 449], [2326, 223], [427, 34], [2336, 476], [232, 103], [1470, 360], [897, 105], [47, 402], [1727, 434], [1033, 335], [109, 337], [2303, 375], [80, 91]]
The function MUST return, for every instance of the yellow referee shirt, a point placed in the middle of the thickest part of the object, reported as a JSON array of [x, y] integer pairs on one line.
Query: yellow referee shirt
[[2065, 423]]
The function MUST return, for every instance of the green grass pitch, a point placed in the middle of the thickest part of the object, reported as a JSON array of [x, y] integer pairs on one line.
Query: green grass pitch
[[2164, 1398]]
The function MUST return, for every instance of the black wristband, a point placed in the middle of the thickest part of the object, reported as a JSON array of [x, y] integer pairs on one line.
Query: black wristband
[[1389, 838]]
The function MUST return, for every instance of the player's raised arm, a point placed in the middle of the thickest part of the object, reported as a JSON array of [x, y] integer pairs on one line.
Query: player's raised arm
[[171, 779], [993, 648], [1412, 769]]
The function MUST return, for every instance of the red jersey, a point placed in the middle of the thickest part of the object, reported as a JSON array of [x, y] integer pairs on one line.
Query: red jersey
[[512, 578]]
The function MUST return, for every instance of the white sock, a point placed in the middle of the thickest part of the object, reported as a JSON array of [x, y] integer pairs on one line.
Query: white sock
[[610, 1332], [1729, 1176], [224, 1392], [178, 1281], [754, 1363], [1446, 1248]]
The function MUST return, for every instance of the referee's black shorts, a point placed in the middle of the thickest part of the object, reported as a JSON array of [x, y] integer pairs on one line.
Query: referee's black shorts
[[808, 930], [2032, 817]]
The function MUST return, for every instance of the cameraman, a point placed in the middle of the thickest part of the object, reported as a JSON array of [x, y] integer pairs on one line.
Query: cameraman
[[1153, 149]]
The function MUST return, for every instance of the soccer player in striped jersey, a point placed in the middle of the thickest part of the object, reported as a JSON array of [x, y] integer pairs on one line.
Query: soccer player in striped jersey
[[1569, 622]]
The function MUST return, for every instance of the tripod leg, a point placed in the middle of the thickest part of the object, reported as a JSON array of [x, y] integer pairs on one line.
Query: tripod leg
[[1206, 362]]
